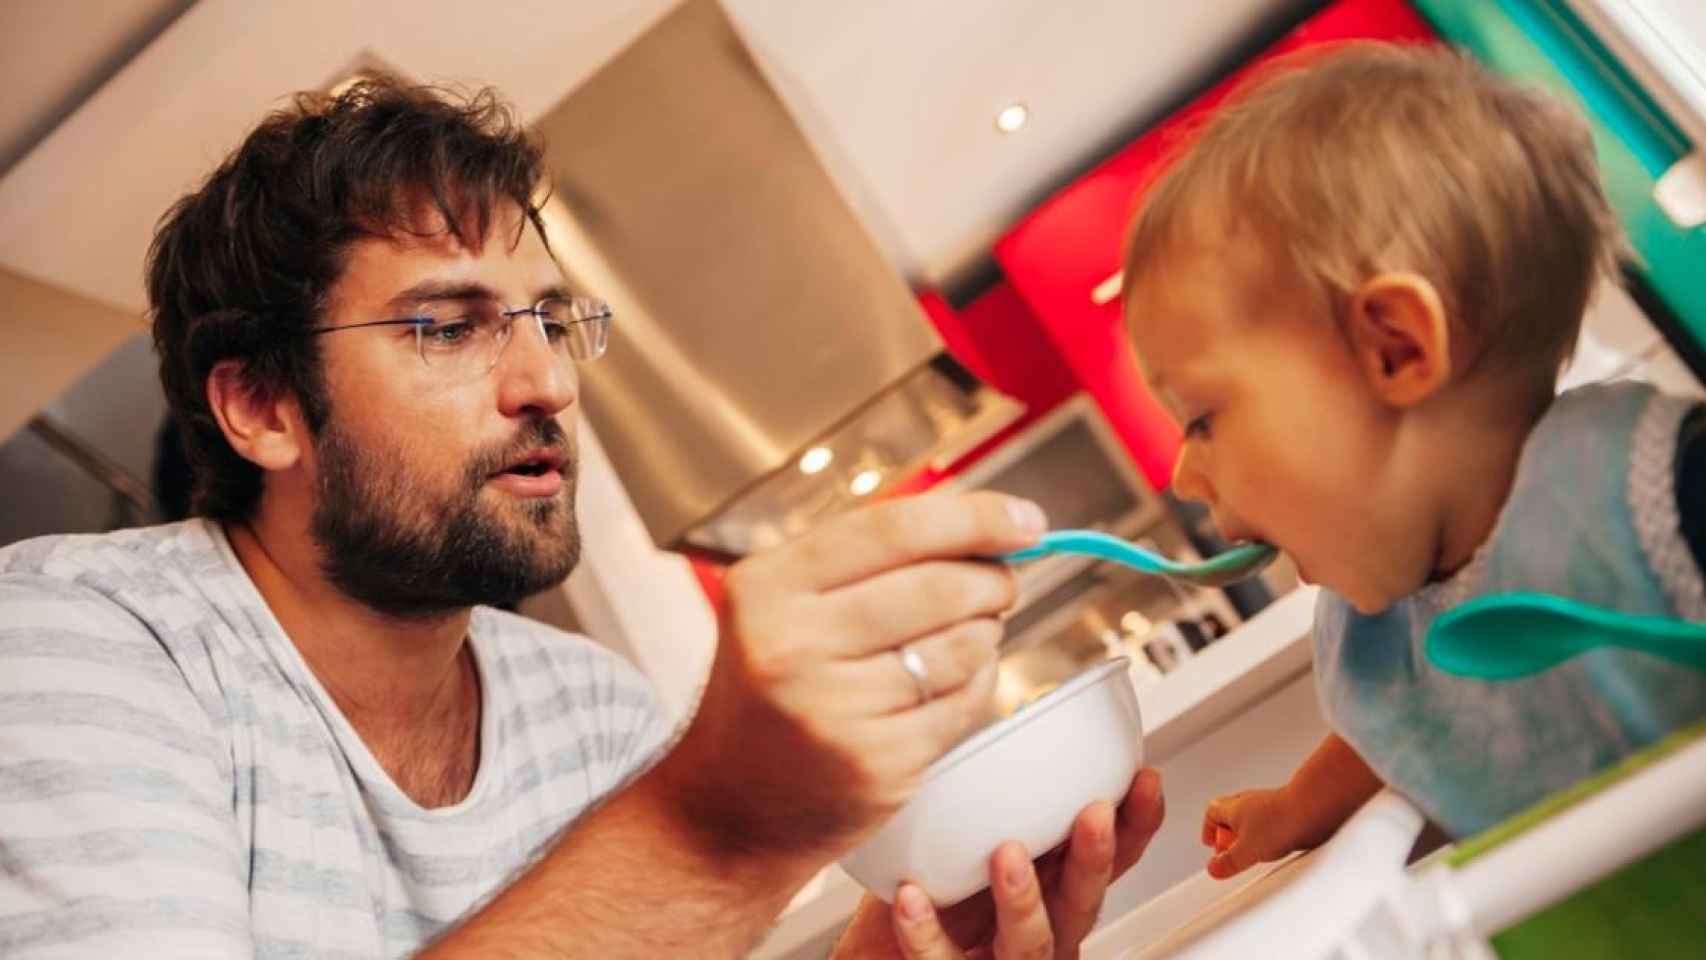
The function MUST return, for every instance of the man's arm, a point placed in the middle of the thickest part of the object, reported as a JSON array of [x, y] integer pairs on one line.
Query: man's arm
[[634, 878], [809, 734]]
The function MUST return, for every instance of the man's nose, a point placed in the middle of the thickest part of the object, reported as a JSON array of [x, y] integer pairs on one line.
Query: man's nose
[[534, 376]]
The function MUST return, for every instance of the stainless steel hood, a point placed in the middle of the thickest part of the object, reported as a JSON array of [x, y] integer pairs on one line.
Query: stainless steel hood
[[755, 315]]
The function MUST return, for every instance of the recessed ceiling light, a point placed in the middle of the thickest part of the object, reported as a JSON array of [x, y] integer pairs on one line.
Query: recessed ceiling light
[[865, 481], [815, 460], [1012, 117]]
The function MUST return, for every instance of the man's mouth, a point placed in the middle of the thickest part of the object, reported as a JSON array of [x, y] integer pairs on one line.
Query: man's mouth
[[535, 463], [535, 473]]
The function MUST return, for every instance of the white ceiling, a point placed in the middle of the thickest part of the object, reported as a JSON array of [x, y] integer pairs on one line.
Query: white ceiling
[[900, 98], [53, 54], [79, 209], [898, 95]]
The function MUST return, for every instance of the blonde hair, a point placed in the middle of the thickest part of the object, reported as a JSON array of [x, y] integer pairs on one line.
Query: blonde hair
[[1372, 157]]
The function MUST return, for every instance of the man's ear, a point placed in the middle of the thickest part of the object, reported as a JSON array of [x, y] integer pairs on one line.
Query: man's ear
[[266, 430], [1398, 330]]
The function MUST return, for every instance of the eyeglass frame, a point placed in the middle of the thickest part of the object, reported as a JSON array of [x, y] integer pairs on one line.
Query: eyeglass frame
[[511, 314]]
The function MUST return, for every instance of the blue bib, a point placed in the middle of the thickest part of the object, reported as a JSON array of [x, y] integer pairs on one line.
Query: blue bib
[[1592, 516]]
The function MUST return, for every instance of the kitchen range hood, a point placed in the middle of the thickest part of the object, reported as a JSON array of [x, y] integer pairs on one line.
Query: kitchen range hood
[[768, 366]]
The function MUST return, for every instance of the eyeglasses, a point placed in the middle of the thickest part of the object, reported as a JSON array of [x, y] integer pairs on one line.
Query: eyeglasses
[[465, 338]]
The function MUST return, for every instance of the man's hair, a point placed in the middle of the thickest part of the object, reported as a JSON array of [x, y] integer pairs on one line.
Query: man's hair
[[241, 268], [1372, 157]]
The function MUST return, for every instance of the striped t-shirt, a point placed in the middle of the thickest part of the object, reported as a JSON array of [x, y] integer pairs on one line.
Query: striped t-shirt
[[174, 782]]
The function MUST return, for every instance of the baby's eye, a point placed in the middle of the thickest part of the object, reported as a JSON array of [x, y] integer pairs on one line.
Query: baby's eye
[[1200, 427]]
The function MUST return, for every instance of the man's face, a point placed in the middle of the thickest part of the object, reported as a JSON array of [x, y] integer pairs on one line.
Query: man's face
[[1285, 441], [435, 492]]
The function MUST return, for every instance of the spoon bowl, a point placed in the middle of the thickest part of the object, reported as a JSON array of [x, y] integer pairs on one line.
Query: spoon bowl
[[1238, 563], [1509, 635]]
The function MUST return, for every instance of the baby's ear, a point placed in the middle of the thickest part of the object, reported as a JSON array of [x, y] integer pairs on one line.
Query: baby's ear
[[1397, 328]]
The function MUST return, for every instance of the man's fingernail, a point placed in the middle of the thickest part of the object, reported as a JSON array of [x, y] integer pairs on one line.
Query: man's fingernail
[[913, 906], [1027, 516], [1017, 876]]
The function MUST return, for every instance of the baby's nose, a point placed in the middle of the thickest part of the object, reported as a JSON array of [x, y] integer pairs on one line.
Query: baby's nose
[[1189, 483]]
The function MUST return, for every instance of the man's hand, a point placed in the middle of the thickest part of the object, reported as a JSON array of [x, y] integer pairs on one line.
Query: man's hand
[[1029, 911], [811, 730]]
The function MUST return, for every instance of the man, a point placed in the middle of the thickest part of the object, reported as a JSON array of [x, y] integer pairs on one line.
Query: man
[[294, 725]]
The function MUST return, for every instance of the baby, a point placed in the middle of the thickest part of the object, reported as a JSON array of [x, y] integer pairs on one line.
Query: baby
[[1356, 291]]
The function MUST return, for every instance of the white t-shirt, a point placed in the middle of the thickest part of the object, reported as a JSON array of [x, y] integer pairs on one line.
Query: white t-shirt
[[174, 782]]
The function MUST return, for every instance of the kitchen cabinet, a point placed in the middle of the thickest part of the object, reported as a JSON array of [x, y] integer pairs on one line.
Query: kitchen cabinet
[[1063, 259]]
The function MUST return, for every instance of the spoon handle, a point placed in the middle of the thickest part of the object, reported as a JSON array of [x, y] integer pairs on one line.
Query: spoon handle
[[1220, 570], [1093, 543], [1676, 640]]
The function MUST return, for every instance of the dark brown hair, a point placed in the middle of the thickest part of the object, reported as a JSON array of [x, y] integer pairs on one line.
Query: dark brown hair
[[241, 268]]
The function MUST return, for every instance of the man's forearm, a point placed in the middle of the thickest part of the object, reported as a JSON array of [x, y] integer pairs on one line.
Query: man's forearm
[[632, 879], [1331, 785]]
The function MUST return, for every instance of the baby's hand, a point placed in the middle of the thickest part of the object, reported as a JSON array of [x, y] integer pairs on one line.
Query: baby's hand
[[1251, 827]]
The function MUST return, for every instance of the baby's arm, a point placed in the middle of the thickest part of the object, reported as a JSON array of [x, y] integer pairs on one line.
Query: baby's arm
[[1256, 826]]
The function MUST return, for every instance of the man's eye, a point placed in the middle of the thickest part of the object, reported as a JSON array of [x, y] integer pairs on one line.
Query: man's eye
[[1200, 427], [555, 332], [449, 333]]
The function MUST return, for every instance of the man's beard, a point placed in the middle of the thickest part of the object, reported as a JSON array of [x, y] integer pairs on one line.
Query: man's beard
[[400, 547]]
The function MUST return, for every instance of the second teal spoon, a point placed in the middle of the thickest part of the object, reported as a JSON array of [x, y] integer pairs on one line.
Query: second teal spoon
[[1508, 635]]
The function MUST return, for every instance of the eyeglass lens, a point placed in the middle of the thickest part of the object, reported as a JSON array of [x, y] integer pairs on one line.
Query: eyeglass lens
[[468, 337]]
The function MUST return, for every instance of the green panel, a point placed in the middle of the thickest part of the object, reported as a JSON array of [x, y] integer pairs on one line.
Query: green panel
[[1542, 42], [1654, 907]]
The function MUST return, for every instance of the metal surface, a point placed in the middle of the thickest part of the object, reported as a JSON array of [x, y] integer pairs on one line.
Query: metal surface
[[907, 428], [98, 465], [754, 312], [1073, 466]]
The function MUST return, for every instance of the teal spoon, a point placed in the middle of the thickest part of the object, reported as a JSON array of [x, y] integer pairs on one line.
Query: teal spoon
[[1508, 635], [1229, 567]]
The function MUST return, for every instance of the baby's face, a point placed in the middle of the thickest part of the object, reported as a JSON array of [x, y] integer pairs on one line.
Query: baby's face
[[1285, 441]]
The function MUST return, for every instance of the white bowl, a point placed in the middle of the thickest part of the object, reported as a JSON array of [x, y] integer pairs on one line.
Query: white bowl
[[1025, 778]]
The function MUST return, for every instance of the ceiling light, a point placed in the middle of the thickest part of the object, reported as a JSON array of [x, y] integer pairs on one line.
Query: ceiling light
[[865, 481], [1012, 117], [815, 460]]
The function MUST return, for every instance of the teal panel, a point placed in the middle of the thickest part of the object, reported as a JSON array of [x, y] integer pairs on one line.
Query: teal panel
[[1542, 42]]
